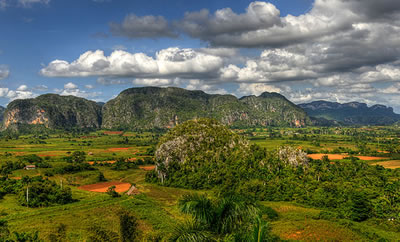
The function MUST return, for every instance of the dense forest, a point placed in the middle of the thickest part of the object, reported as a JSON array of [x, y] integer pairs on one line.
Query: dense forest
[[205, 155]]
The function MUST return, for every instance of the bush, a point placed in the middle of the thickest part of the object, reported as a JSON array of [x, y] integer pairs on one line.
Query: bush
[[10, 166], [100, 177], [44, 193], [73, 168], [111, 191], [269, 212], [97, 233], [127, 226], [76, 157]]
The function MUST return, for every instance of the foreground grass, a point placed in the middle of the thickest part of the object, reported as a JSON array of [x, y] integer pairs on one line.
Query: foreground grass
[[300, 223]]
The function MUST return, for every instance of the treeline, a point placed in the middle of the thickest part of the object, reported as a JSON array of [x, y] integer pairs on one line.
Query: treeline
[[35, 191], [128, 231], [350, 188]]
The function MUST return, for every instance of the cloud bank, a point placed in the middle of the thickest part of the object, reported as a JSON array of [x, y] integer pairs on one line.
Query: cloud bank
[[340, 50]]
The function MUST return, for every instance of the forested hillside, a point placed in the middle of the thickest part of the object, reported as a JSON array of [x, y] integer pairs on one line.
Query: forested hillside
[[153, 107], [54, 112], [353, 113]]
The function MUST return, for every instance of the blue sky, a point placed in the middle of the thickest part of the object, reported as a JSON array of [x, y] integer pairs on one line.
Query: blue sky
[[307, 50]]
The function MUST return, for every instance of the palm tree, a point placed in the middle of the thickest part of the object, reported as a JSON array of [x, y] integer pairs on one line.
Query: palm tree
[[190, 231], [260, 232], [221, 217]]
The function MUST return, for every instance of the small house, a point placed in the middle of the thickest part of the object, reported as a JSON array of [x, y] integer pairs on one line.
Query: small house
[[30, 167]]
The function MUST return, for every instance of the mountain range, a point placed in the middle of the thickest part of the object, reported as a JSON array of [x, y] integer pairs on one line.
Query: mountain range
[[155, 107], [353, 113]]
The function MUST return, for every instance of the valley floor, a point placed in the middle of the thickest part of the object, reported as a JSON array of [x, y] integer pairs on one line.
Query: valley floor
[[156, 206]]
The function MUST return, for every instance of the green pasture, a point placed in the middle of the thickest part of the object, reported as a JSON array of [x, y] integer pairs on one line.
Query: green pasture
[[156, 206]]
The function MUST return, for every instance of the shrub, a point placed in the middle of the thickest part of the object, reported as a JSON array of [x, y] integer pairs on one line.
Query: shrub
[[111, 191]]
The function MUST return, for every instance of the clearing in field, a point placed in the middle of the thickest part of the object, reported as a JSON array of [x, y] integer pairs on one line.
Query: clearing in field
[[102, 162], [392, 164], [330, 156], [113, 132], [147, 168], [102, 187], [367, 158], [341, 157]]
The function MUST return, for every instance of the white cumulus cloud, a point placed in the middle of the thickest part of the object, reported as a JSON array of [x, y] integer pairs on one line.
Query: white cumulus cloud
[[168, 62]]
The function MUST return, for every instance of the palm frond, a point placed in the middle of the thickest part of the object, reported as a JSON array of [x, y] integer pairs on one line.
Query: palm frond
[[233, 213], [199, 206], [190, 231], [260, 231]]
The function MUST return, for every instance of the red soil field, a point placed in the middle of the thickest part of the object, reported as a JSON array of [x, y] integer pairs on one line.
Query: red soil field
[[147, 168], [46, 155], [341, 157], [330, 156], [102, 187], [109, 162], [117, 149], [113, 132], [371, 158], [392, 164]]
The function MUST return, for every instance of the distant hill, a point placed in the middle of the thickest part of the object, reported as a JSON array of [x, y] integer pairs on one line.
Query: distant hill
[[53, 111], [353, 113], [154, 107]]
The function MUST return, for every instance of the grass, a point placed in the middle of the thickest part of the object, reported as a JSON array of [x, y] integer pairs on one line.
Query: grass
[[297, 222], [156, 206]]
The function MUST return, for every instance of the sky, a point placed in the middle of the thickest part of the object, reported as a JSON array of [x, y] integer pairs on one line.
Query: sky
[[334, 50]]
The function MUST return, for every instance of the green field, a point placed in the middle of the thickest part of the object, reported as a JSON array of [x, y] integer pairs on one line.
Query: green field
[[156, 206]]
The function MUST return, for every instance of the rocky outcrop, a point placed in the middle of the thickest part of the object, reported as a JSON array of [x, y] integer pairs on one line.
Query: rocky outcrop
[[2, 110], [53, 111]]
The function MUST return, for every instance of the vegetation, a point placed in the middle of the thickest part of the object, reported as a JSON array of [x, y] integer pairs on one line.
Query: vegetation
[[296, 198], [53, 111], [353, 113], [351, 188], [228, 218]]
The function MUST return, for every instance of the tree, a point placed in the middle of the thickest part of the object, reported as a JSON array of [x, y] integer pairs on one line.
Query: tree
[[127, 226], [190, 231], [224, 216], [360, 207], [100, 177], [111, 191], [261, 232], [78, 157], [4, 232], [59, 234], [26, 237], [97, 233]]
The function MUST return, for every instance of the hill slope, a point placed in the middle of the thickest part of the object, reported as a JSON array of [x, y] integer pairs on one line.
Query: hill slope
[[2, 110], [53, 111], [154, 107], [353, 113]]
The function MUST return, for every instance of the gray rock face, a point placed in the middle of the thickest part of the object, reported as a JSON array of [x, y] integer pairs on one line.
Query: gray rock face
[[2, 110], [53, 111]]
